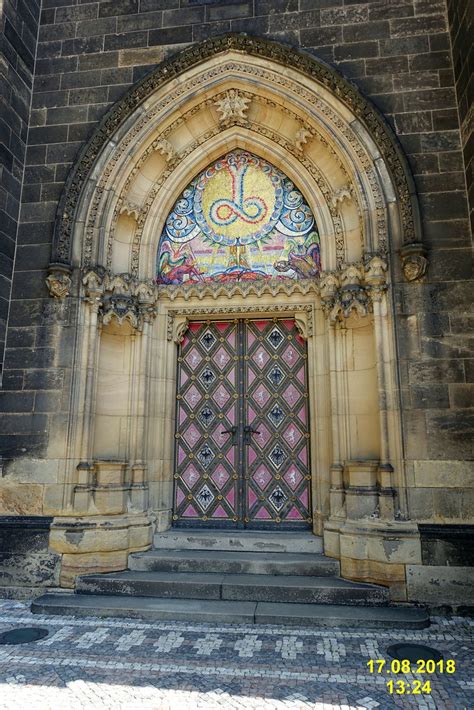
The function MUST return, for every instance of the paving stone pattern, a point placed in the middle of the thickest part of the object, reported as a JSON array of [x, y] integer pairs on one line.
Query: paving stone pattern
[[125, 664]]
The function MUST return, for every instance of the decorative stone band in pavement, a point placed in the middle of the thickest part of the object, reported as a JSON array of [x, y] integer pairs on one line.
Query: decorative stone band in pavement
[[140, 665]]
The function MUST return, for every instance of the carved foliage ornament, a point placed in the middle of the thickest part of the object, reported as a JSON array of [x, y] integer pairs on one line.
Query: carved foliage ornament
[[232, 107], [353, 288], [120, 297], [194, 55]]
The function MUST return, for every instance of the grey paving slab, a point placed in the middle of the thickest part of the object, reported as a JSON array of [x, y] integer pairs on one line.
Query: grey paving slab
[[145, 607], [233, 562], [245, 541], [338, 615]]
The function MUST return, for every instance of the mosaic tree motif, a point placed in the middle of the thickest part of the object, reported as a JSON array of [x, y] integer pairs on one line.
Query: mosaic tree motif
[[242, 449], [240, 219]]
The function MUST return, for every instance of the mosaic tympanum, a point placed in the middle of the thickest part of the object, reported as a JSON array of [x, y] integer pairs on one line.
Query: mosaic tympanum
[[239, 219]]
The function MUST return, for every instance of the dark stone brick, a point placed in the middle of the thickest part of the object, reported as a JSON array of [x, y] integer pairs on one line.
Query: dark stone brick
[[211, 29], [151, 5], [352, 69], [50, 33], [344, 15], [225, 11], [79, 79], [15, 445], [56, 65], [446, 206], [413, 122], [79, 132], [116, 76], [12, 379], [88, 28], [386, 10], [312, 4], [49, 49], [450, 161], [51, 191], [39, 173], [430, 61], [38, 212], [407, 27], [129, 39], [173, 35], [440, 141], [104, 60], [429, 99], [254, 26], [24, 423], [387, 65], [357, 50], [445, 120], [362, 32], [185, 16], [462, 396], [450, 434], [443, 182], [49, 99], [428, 371], [82, 12], [152, 21], [118, 7], [271, 7], [48, 401], [43, 379], [16, 401], [21, 338], [115, 93], [430, 397], [289, 22], [31, 193], [316, 36], [83, 45], [66, 114], [402, 46], [88, 96]]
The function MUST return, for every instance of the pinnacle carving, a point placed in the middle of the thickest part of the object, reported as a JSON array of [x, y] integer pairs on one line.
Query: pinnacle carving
[[120, 297]]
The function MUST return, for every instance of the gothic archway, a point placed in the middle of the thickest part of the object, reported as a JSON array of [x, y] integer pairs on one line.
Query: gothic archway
[[308, 122]]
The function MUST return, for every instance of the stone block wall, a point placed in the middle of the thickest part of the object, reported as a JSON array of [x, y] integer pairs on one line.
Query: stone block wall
[[461, 21], [398, 53], [19, 30]]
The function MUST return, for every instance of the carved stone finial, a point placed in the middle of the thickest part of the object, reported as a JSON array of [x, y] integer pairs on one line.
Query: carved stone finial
[[301, 137], [414, 261], [232, 106], [166, 149], [59, 281]]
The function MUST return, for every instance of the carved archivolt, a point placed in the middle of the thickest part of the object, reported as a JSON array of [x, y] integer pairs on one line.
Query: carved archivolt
[[279, 54]]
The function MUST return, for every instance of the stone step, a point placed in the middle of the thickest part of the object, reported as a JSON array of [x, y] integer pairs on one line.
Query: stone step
[[240, 587], [225, 562], [240, 540], [218, 611]]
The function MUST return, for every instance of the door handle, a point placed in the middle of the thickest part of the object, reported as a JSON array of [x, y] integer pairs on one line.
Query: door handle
[[233, 431], [248, 430]]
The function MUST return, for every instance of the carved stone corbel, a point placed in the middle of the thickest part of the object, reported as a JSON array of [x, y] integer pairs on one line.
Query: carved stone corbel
[[180, 327], [414, 261], [301, 138], [301, 323], [59, 281], [341, 194]]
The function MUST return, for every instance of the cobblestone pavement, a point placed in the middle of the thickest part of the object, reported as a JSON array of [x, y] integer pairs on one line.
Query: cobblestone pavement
[[125, 663]]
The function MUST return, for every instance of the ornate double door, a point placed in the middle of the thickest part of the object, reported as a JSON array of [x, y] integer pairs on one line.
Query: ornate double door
[[242, 440]]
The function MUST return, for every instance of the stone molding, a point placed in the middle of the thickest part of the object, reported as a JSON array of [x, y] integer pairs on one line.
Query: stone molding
[[192, 56]]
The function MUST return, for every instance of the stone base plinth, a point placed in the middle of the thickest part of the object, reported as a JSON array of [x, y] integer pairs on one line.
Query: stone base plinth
[[98, 543]]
